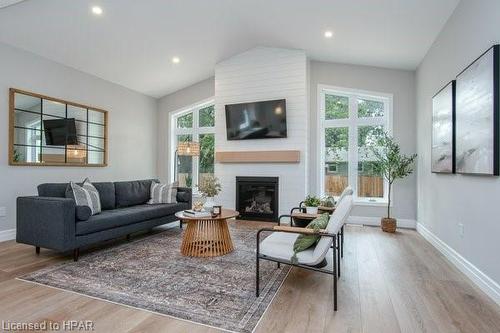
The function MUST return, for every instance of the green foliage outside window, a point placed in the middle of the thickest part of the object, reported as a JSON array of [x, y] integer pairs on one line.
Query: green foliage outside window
[[207, 116], [336, 107], [207, 152], [367, 108], [185, 121]]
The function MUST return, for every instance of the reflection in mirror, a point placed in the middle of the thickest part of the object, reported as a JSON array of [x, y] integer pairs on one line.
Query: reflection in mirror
[[25, 154], [96, 117], [53, 155], [27, 137], [96, 130], [76, 154], [26, 119], [27, 103], [96, 157], [55, 109], [77, 113], [96, 143]]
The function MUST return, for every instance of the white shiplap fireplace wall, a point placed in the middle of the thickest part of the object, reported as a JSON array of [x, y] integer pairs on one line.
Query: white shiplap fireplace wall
[[257, 75]]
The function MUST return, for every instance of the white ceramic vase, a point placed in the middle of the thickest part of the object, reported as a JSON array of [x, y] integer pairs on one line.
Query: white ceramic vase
[[312, 210], [209, 203]]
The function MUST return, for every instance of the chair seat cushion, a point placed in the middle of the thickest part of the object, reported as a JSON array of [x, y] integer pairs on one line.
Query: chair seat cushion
[[123, 216], [279, 245]]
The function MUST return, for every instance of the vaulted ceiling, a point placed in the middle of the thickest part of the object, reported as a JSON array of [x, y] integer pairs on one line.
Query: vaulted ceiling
[[132, 42]]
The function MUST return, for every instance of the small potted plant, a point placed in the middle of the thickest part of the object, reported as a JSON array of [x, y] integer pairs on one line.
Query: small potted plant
[[392, 165], [209, 187], [328, 201], [327, 205], [312, 202]]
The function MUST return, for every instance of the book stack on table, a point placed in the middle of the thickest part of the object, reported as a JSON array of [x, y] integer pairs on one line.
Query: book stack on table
[[192, 213]]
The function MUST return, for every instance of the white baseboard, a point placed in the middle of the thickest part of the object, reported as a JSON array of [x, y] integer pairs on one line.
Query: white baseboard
[[375, 221], [6, 235], [484, 282]]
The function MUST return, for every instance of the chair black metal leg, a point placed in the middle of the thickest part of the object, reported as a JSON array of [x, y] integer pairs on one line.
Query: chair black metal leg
[[279, 265], [342, 242], [257, 291], [76, 254], [37, 249], [334, 275], [180, 224], [338, 258]]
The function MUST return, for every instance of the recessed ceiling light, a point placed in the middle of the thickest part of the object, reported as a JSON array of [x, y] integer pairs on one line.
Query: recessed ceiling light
[[176, 60], [97, 10], [328, 34]]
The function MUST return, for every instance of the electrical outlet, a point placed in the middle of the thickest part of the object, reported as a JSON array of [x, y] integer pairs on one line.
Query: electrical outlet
[[461, 230], [3, 212]]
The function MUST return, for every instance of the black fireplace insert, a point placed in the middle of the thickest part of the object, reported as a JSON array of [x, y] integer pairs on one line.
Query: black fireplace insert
[[257, 198]]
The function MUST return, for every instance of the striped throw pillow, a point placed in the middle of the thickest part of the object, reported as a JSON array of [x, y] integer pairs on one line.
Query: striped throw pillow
[[163, 193], [85, 195]]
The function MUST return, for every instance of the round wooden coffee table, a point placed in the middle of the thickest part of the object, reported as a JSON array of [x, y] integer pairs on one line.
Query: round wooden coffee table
[[207, 236]]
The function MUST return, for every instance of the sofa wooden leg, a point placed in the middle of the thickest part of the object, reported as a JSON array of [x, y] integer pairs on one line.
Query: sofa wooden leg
[[180, 224], [128, 238], [37, 249], [76, 254]]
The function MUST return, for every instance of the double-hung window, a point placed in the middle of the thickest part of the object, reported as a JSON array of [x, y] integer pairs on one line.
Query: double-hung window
[[193, 124], [350, 121]]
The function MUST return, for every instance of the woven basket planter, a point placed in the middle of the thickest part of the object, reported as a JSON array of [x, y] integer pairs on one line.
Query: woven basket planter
[[388, 224]]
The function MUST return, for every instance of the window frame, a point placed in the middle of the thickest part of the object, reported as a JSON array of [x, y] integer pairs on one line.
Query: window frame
[[352, 123], [195, 131]]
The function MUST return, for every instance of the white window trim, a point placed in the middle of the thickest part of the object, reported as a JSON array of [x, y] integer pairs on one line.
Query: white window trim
[[195, 132], [351, 122]]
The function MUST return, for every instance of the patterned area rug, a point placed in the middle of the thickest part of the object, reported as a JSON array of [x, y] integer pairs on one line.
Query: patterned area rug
[[151, 274]]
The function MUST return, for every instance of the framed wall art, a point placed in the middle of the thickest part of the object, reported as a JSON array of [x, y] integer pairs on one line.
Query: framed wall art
[[443, 130], [477, 115]]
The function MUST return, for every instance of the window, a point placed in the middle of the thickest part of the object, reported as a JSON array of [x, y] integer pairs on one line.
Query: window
[[196, 123], [350, 122]]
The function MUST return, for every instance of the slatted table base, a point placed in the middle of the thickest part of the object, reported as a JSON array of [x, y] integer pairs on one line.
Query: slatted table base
[[206, 238]]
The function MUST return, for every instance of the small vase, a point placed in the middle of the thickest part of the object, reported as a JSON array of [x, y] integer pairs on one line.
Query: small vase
[[209, 203], [312, 210]]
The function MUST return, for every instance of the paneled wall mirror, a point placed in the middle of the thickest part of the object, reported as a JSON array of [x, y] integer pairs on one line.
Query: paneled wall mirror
[[46, 131]]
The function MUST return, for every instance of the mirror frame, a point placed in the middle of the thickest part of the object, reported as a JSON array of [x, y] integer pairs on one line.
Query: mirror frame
[[13, 91]]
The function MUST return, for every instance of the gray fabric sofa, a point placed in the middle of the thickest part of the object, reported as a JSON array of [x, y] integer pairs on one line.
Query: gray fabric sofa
[[50, 220]]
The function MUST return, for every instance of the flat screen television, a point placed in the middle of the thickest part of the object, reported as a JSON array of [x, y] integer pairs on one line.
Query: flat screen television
[[257, 120], [60, 132]]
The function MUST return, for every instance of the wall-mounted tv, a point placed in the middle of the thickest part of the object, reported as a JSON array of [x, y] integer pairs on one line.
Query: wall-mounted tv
[[60, 132], [257, 120]]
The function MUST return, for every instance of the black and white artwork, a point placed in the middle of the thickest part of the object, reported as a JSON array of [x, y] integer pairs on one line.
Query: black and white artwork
[[443, 117], [477, 116]]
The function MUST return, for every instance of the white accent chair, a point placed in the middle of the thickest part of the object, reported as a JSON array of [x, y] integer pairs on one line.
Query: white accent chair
[[278, 246], [340, 236]]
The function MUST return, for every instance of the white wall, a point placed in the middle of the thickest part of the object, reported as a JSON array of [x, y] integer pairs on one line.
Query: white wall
[[399, 83], [256, 75], [171, 103], [444, 201], [132, 126]]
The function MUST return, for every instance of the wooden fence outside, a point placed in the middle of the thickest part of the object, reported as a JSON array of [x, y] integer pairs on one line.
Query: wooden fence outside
[[368, 186]]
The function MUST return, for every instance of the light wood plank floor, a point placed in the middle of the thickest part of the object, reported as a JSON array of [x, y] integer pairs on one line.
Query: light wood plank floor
[[389, 283]]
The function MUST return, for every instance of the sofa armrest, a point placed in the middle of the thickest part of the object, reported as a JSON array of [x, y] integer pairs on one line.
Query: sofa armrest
[[187, 195], [46, 222]]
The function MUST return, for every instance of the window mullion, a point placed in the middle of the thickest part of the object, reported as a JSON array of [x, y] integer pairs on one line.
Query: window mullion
[[353, 144]]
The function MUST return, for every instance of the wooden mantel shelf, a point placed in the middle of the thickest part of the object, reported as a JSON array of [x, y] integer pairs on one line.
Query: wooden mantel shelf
[[266, 156]]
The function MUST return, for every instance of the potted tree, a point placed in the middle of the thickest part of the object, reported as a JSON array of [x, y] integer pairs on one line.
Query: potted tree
[[209, 187], [392, 165], [312, 202]]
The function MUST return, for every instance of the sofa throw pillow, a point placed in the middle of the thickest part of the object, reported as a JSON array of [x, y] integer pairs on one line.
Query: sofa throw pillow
[[163, 193], [303, 242], [85, 195]]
